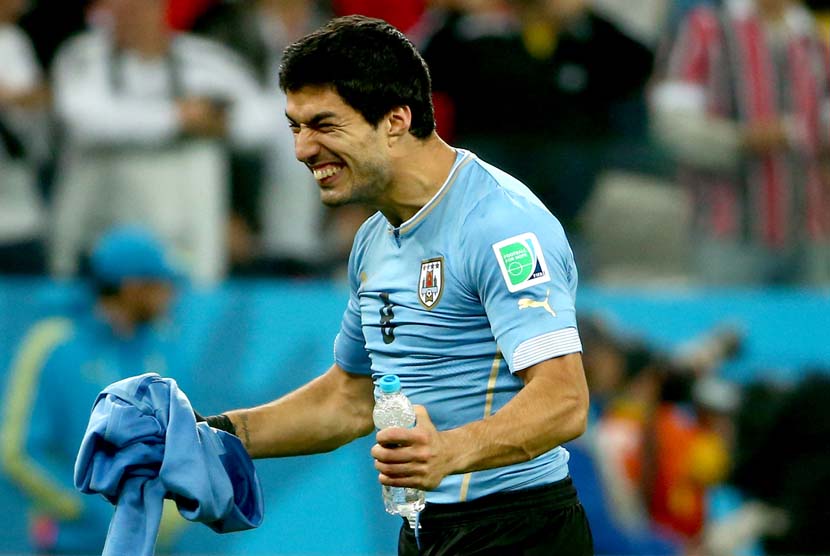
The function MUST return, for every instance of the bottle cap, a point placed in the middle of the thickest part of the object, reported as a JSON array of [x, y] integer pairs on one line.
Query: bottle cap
[[389, 384]]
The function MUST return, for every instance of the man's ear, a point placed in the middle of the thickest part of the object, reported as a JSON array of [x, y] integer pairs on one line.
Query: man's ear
[[398, 122]]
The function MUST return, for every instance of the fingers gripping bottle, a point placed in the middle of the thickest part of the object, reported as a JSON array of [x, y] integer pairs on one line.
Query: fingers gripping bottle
[[393, 409]]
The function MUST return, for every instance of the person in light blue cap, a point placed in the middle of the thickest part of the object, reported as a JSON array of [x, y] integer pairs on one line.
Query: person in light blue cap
[[131, 253], [64, 362], [134, 276]]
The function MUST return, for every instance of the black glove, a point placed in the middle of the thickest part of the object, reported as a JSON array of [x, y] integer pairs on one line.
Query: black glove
[[221, 422]]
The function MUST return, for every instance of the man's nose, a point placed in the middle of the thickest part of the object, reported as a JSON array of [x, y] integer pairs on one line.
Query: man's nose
[[306, 146]]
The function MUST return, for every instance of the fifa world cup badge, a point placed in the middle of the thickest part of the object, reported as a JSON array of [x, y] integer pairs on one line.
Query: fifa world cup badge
[[431, 282]]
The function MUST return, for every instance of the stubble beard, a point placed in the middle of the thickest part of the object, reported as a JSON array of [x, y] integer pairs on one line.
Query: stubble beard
[[366, 188]]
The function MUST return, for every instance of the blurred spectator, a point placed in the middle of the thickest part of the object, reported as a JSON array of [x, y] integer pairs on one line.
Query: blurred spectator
[[622, 390], [66, 360], [275, 197], [683, 457], [611, 536], [743, 106], [23, 146], [149, 115], [783, 463], [559, 85], [661, 427]]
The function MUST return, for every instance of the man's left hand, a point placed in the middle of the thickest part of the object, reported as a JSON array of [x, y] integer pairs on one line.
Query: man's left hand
[[412, 458]]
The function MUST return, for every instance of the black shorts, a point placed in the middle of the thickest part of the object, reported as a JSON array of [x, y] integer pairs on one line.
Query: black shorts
[[547, 520]]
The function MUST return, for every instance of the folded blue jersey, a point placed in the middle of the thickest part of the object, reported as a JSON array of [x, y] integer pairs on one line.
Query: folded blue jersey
[[142, 444]]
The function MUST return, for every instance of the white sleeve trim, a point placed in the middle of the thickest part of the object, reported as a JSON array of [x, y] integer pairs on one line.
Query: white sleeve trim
[[546, 346]]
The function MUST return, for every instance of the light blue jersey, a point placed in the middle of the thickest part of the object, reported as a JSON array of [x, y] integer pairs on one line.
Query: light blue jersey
[[478, 285]]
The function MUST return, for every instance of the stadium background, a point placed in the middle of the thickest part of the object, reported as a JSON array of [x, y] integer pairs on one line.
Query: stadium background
[[246, 341]]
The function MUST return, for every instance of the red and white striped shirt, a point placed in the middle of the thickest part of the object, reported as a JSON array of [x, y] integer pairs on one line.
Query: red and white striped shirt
[[730, 67]]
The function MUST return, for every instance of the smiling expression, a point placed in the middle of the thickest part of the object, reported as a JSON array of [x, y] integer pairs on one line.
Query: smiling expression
[[348, 157]]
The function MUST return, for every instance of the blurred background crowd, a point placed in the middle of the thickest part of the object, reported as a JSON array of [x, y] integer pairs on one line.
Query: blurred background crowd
[[682, 144]]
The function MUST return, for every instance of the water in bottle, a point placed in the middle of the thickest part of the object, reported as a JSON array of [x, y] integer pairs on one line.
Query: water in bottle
[[393, 409]]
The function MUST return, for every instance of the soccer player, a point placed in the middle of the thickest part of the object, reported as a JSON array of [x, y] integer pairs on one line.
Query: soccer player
[[462, 284]]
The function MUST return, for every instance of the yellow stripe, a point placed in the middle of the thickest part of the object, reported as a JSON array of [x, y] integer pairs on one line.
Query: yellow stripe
[[19, 401], [465, 485], [491, 384], [434, 203], [488, 406]]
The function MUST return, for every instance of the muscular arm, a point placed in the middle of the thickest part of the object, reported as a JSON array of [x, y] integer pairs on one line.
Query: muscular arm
[[326, 413], [551, 409]]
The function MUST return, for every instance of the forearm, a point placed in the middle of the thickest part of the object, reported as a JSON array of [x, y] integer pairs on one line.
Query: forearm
[[549, 410], [326, 413]]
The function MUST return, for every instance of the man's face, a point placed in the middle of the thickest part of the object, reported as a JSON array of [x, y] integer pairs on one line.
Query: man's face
[[147, 300], [348, 157]]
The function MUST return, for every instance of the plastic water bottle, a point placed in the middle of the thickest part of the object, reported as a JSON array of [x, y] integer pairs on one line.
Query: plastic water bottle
[[393, 409]]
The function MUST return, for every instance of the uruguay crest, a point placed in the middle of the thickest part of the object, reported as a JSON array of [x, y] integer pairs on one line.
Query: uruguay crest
[[431, 282]]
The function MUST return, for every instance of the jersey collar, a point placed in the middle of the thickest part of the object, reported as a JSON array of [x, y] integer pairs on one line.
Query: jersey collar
[[461, 160]]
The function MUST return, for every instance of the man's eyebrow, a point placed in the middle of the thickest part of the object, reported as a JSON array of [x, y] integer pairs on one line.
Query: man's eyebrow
[[315, 120]]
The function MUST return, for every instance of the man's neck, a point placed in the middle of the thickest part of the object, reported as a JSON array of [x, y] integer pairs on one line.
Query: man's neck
[[420, 173]]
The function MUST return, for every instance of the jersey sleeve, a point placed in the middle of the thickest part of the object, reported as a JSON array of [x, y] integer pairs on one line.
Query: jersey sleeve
[[522, 269], [350, 345]]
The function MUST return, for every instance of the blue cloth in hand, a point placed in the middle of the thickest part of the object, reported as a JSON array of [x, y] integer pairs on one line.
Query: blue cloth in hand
[[142, 444]]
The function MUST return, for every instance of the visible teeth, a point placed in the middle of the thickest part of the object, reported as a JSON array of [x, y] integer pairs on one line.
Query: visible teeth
[[325, 172]]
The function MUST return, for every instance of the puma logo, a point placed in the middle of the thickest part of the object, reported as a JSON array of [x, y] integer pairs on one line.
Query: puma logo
[[526, 303]]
